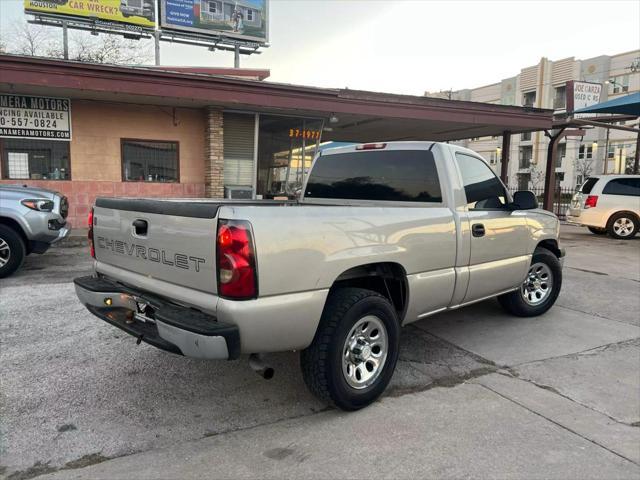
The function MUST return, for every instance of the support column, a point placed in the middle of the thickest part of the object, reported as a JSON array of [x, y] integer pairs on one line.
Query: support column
[[636, 157], [550, 171], [214, 154], [504, 160]]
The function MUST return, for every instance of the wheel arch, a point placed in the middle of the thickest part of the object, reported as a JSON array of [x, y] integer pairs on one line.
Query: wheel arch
[[14, 225], [550, 244], [389, 279], [626, 212]]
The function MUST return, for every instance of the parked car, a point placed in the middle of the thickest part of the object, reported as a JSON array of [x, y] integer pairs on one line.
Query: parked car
[[384, 234], [608, 204], [31, 220]]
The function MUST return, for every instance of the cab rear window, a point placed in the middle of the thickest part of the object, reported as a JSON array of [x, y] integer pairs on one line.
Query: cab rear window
[[588, 185], [391, 175]]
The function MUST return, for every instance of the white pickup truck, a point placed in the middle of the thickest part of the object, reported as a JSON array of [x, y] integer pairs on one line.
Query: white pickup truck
[[384, 234]]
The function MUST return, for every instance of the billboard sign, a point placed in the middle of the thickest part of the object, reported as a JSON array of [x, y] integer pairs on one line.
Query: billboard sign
[[26, 116], [238, 19], [582, 94], [139, 13]]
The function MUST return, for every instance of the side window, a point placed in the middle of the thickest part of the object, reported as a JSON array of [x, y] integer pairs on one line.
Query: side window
[[588, 185], [483, 189], [623, 186]]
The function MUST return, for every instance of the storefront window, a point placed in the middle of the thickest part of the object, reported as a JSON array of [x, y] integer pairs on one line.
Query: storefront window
[[35, 159], [149, 161], [286, 147]]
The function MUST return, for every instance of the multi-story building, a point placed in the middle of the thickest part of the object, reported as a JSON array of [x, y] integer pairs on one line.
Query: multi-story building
[[544, 86]]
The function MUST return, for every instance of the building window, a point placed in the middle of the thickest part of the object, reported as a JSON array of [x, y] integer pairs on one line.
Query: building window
[[585, 152], [35, 159], [149, 161], [561, 152], [529, 99], [526, 154], [213, 7], [286, 148], [619, 84], [492, 158], [525, 137], [523, 181], [579, 180], [560, 98], [249, 15]]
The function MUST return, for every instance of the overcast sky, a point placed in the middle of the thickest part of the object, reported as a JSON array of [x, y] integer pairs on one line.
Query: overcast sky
[[405, 46]]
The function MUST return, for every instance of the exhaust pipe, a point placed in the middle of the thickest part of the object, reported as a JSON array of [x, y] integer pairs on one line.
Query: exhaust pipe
[[257, 364]]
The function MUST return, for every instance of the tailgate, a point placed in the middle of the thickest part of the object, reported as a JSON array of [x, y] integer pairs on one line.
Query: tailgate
[[169, 240]]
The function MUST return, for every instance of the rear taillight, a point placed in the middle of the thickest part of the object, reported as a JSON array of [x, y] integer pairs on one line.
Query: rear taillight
[[235, 254], [591, 201], [90, 233]]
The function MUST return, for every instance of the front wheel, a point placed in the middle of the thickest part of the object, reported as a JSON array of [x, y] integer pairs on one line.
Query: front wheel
[[354, 352], [12, 251], [540, 289]]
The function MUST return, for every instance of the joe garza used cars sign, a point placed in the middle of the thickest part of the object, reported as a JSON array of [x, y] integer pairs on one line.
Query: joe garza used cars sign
[[23, 116]]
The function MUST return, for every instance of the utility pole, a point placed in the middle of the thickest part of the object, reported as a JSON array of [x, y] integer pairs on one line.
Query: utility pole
[[606, 154]]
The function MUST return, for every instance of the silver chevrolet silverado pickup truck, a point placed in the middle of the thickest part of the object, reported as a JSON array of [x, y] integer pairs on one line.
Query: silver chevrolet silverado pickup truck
[[384, 234], [31, 220]]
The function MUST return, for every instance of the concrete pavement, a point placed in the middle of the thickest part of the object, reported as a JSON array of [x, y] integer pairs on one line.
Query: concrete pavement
[[476, 394]]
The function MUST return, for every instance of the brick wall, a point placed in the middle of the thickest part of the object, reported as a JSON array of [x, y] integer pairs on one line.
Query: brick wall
[[214, 154], [82, 194]]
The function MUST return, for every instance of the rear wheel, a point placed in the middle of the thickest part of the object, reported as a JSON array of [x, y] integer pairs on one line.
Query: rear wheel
[[598, 231], [540, 289], [354, 353], [12, 251], [623, 225]]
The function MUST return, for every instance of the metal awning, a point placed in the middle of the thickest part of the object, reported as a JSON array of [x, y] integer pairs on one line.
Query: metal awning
[[627, 105], [358, 116]]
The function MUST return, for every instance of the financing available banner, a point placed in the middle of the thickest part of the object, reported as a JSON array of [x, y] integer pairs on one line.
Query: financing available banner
[[239, 19], [27, 116], [132, 12]]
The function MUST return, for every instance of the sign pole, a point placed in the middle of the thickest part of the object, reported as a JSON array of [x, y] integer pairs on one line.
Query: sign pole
[[236, 57], [156, 37], [65, 40]]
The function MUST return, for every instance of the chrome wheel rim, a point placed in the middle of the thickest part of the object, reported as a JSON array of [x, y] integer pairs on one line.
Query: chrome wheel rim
[[364, 353], [5, 253], [538, 284], [623, 227]]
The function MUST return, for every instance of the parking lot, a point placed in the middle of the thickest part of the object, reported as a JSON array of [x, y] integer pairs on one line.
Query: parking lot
[[476, 393]]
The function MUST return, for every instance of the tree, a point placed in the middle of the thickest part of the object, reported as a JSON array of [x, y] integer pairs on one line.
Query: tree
[[37, 40], [536, 176], [31, 40], [583, 166]]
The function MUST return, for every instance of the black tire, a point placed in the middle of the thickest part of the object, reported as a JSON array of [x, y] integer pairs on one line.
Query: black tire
[[597, 231], [630, 220], [322, 361], [515, 302], [12, 250]]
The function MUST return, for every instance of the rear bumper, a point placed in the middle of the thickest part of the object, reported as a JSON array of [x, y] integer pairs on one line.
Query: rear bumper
[[173, 328]]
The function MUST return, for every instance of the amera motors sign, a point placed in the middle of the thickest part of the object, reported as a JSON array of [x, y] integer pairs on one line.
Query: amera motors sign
[[582, 94], [23, 116]]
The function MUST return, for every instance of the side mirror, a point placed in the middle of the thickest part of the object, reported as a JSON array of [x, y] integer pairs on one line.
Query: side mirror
[[524, 200]]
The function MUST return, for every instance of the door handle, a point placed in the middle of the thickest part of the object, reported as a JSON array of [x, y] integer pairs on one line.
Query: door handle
[[140, 227], [477, 230]]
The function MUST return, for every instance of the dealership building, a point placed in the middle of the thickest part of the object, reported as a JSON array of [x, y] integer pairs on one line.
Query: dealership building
[[91, 130]]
